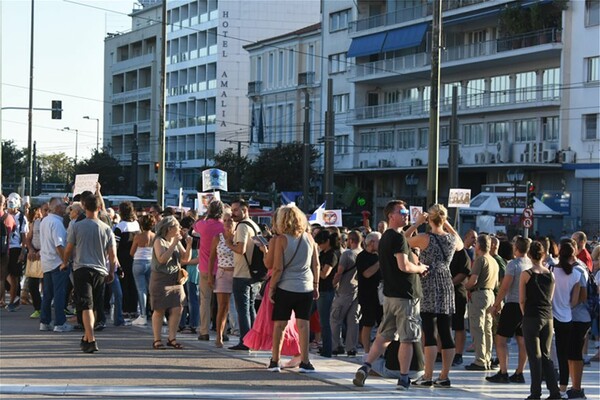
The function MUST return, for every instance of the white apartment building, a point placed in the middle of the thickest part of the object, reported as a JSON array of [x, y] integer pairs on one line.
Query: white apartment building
[[514, 64], [208, 72]]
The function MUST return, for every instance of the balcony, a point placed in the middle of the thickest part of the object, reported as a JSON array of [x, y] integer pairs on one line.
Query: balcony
[[254, 88], [492, 48], [306, 79], [534, 96], [406, 14]]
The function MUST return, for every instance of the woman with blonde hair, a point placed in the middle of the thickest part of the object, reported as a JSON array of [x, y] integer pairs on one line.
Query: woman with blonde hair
[[294, 282], [166, 290], [437, 249]]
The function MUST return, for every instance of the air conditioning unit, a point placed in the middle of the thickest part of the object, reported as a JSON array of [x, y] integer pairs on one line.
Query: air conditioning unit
[[549, 155], [416, 162], [385, 163], [567, 156], [502, 152], [480, 158], [537, 150], [490, 158], [363, 164]]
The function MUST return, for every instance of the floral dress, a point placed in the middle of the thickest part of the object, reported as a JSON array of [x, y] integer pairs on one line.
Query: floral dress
[[438, 290]]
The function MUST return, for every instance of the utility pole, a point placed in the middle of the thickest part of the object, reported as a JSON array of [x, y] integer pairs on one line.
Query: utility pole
[[329, 139], [30, 111], [163, 106], [306, 156], [453, 152], [434, 112]]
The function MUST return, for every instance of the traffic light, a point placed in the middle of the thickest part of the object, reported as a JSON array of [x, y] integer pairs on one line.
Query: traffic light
[[156, 167], [56, 109], [530, 194]]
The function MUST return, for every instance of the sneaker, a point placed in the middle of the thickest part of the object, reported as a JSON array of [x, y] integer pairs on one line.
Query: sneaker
[[498, 378], [63, 328], [238, 347], [442, 383], [576, 394], [46, 327], [517, 378], [557, 396], [307, 368], [140, 321], [99, 326], [338, 351], [361, 376], [475, 367], [69, 313], [124, 323], [207, 337], [458, 360], [423, 382], [414, 375], [36, 314], [495, 362], [314, 345], [274, 366], [403, 384], [351, 353]]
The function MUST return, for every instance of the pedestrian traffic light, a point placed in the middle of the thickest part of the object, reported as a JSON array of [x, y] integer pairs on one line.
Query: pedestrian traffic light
[[530, 194], [156, 167], [56, 109]]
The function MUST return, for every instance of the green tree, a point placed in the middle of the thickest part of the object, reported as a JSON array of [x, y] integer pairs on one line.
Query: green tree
[[14, 162], [235, 166], [283, 165], [114, 179], [56, 168]]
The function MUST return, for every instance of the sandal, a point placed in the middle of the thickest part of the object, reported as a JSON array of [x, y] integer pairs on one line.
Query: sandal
[[157, 345], [172, 343]]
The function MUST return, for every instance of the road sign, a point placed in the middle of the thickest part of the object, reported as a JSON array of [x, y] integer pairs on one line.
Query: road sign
[[528, 222], [528, 213]]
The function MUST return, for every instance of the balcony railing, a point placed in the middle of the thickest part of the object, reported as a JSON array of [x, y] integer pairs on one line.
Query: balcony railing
[[306, 79], [543, 95], [406, 14], [458, 53], [254, 88]]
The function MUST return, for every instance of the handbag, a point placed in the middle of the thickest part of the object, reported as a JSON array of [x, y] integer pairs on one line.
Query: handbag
[[182, 276], [33, 269]]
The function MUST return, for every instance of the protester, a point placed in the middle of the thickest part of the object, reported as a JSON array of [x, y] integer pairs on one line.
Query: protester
[[191, 312], [34, 246], [141, 251], [369, 278], [16, 250], [125, 231]]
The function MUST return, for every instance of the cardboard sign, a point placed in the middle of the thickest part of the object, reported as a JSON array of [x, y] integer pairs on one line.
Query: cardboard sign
[[85, 182], [204, 200], [332, 218], [414, 213], [214, 179], [459, 198]]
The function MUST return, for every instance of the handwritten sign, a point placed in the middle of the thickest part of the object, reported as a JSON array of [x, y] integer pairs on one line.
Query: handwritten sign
[[459, 198], [85, 182], [214, 179]]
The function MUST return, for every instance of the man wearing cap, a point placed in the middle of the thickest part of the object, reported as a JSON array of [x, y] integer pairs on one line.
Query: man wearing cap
[[16, 254]]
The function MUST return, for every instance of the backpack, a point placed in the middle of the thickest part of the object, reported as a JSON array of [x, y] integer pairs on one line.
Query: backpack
[[593, 299], [258, 270], [3, 235]]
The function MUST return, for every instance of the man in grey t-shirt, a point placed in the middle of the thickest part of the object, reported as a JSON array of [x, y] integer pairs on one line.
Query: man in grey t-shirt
[[345, 303], [94, 243]]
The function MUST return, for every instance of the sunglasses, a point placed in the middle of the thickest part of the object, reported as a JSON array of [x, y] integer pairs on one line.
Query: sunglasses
[[403, 211]]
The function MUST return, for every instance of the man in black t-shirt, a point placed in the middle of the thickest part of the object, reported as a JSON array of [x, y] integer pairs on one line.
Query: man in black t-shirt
[[402, 295]]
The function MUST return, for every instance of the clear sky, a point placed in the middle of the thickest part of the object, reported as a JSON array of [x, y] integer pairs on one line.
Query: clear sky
[[68, 66]]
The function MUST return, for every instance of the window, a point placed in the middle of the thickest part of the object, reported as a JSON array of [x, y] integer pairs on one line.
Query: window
[[498, 131], [339, 20], [406, 139], [337, 63], [472, 134], [592, 69], [592, 12], [550, 128], [271, 67], [259, 68], [340, 102], [391, 97], [591, 126], [525, 86], [386, 140], [475, 91], [447, 99], [367, 141], [291, 65], [551, 83], [341, 144], [499, 86], [280, 67], [423, 137], [525, 130], [310, 59], [444, 135], [290, 123]]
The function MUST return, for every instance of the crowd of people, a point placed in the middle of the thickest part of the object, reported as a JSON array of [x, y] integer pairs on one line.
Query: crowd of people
[[326, 289]]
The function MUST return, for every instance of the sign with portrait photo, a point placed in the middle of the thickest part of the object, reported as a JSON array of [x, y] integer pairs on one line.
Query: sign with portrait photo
[[204, 200], [414, 213], [459, 198], [214, 179]]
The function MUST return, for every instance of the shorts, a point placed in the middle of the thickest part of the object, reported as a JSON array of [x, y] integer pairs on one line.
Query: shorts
[[286, 302], [576, 339], [460, 307], [510, 321], [371, 311], [15, 268], [87, 286], [401, 318]]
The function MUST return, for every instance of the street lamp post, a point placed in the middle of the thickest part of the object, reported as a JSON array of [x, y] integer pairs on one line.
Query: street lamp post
[[97, 131], [514, 177], [76, 140]]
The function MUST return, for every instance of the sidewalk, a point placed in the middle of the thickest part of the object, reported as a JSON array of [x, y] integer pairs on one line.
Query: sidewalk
[[40, 364]]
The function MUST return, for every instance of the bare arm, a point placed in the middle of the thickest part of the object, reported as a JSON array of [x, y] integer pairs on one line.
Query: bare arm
[[134, 245], [472, 281], [450, 229], [65, 255], [522, 290], [213, 256], [575, 295], [186, 253], [316, 268], [405, 265], [163, 254], [460, 277], [369, 272]]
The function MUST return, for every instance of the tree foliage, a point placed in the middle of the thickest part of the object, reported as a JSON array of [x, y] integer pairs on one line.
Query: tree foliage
[[114, 179], [14, 162], [56, 168]]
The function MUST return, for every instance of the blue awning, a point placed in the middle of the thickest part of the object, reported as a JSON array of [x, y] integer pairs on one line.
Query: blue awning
[[403, 38], [366, 45]]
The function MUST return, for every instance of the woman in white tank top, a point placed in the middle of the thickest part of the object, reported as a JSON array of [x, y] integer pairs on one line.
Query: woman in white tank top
[[141, 250]]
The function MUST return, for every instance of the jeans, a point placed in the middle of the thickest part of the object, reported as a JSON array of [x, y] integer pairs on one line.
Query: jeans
[[55, 285], [141, 275], [324, 307], [117, 292], [243, 295], [193, 309]]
